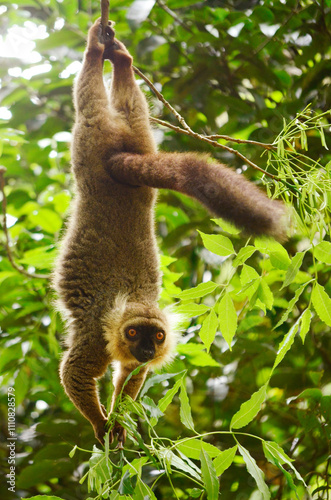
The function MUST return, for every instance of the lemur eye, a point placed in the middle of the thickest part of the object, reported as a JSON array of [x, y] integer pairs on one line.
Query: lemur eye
[[132, 332], [160, 335]]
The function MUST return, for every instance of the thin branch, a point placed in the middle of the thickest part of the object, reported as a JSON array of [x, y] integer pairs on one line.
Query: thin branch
[[188, 131], [7, 237], [162, 99], [213, 137], [242, 141], [173, 15], [104, 5]]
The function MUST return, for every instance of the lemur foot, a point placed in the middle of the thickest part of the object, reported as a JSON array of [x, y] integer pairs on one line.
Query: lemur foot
[[97, 41], [100, 430]]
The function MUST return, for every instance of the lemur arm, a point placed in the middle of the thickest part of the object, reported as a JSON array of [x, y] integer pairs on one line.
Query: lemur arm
[[132, 389], [90, 95], [224, 192], [79, 371]]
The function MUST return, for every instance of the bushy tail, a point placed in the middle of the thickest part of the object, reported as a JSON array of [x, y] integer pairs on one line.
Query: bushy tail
[[224, 192]]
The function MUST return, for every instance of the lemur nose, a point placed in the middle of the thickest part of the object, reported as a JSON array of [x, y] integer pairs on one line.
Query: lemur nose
[[148, 353]]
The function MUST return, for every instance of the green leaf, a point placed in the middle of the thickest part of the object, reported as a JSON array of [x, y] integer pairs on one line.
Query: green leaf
[[243, 254], [255, 472], [169, 396], [208, 329], [192, 448], [135, 466], [322, 252], [48, 220], [227, 318], [65, 37], [29, 308], [114, 495], [73, 451], [185, 409], [305, 324], [273, 450], [170, 458], [248, 274], [286, 344], [191, 310], [152, 410], [41, 258], [61, 202], [293, 268], [125, 487], [291, 305], [278, 255], [22, 384], [7, 274], [100, 466], [199, 291], [224, 460], [218, 244], [142, 491], [227, 226], [274, 453], [326, 408], [196, 355], [43, 471], [310, 394], [209, 476], [249, 409], [157, 379], [265, 294], [166, 260], [322, 303], [195, 492], [264, 15]]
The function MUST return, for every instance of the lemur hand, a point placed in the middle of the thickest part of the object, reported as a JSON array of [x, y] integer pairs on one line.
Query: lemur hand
[[96, 41]]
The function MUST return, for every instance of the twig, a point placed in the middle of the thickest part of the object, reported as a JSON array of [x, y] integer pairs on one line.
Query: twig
[[162, 99], [188, 131], [173, 15], [5, 230], [104, 5], [242, 141], [213, 137]]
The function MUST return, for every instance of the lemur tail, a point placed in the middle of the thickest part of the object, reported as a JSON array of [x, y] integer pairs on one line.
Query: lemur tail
[[224, 192]]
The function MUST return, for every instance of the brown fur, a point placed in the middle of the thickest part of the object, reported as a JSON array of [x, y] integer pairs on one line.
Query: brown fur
[[107, 275]]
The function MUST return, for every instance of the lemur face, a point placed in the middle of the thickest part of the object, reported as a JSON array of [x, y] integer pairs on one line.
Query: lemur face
[[145, 342]]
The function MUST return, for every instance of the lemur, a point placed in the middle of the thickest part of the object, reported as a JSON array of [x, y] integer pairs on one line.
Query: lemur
[[107, 275]]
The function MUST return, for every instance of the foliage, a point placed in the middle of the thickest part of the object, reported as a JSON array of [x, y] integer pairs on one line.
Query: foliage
[[248, 398]]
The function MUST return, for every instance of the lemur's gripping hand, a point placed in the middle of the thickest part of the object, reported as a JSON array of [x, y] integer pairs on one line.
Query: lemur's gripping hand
[[118, 54], [95, 42], [107, 45]]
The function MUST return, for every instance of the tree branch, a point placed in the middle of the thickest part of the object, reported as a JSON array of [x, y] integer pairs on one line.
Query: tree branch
[[7, 237], [188, 131], [173, 15], [104, 5], [264, 145]]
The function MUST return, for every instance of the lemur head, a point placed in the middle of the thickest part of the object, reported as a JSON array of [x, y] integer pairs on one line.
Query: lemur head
[[139, 332]]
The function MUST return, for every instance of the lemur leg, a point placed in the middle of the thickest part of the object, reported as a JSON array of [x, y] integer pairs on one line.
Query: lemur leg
[[223, 191], [99, 129], [90, 97], [79, 369], [128, 101], [132, 388]]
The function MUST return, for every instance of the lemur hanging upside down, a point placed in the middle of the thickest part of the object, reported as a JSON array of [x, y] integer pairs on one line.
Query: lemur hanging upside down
[[107, 275]]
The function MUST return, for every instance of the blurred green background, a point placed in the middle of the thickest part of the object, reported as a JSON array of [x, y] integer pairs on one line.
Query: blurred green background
[[229, 67]]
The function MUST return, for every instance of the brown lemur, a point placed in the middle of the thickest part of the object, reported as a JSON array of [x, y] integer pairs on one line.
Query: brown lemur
[[107, 275]]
